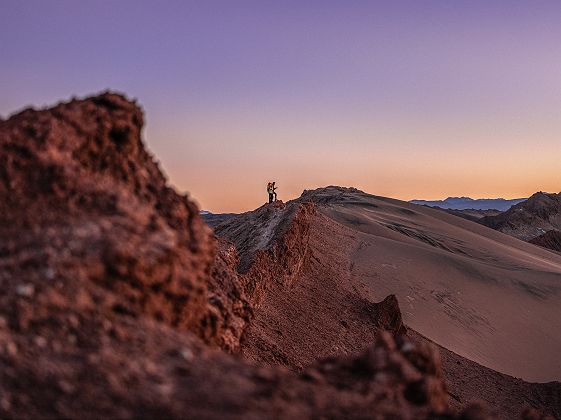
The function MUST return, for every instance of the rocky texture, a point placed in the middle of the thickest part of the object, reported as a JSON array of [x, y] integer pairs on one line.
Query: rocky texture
[[313, 309], [88, 218], [550, 240], [137, 368], [228, 300], [295, 277], [529, 219], [112, 290], [272, 242]]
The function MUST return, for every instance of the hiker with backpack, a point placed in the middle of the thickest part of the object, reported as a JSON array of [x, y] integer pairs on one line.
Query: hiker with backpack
[[271, 190]]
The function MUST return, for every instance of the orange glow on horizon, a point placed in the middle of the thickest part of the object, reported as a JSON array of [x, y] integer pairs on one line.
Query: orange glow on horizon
[[225, 163]]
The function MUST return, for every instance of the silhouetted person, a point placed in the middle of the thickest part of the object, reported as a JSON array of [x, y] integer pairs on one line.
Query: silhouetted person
[[271, 190]]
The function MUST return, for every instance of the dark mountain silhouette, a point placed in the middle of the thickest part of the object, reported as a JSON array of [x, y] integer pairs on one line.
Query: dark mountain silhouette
[[463, 203], [470, 214], [213, 219], [530, 218]]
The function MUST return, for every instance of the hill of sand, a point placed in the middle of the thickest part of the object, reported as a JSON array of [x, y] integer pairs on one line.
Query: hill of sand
[[468, 288]]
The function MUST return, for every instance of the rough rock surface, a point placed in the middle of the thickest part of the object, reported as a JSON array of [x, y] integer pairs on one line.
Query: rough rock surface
[[529, 219], [272, 242], [551, 239], [112, 290], [137, 368], [306, 305], [87, 215]]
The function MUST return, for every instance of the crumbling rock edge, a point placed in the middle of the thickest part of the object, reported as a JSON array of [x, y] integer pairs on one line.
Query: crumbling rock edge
[[273, 252], [87, 210]]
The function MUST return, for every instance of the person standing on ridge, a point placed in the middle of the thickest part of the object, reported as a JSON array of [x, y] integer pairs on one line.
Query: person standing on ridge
[[271, 190]]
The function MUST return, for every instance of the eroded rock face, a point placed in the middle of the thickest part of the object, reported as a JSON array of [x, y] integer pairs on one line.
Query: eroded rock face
[[81, 366], [272, 242], [307, 306], [87, 217]]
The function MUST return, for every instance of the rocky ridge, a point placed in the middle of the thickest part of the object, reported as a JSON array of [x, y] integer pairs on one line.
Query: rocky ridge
[[529, 219]]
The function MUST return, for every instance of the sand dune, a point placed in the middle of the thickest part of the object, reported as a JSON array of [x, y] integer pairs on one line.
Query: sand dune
[[487, 296]]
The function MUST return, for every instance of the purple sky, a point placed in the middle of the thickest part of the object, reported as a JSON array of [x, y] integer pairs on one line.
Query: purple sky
[[419, 99]]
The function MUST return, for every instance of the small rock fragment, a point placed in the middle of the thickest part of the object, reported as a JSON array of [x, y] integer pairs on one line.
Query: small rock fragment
[[41, 341], [25, 290]]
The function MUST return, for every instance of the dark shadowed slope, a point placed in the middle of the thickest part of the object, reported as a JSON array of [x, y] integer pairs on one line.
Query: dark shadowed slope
[[529, 219], [550, 240], [463, 203]]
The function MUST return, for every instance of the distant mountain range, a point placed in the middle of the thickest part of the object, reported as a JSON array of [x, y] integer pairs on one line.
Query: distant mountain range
[[462, 203], [213, 219]]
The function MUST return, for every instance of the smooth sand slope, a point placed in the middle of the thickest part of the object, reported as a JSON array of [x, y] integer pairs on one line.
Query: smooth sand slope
[[482, 294]]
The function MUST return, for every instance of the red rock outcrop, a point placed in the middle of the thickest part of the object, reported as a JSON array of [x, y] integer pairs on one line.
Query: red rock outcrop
[[272, 242], [93, 367], [108, 276], [87, 216]]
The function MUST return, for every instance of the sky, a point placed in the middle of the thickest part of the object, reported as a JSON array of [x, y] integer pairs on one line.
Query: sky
[[406, 99]]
